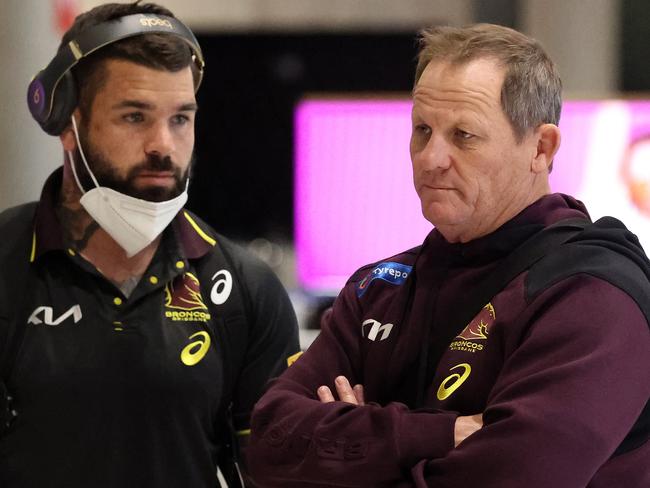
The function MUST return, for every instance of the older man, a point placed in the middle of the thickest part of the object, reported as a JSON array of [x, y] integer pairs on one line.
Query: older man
[[511, 349]]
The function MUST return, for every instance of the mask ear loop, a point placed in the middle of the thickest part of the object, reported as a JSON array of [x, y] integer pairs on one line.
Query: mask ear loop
[[83, 158], [189, 175]]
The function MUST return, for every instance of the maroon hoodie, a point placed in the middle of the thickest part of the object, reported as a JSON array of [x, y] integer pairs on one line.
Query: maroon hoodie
[[561, 377]]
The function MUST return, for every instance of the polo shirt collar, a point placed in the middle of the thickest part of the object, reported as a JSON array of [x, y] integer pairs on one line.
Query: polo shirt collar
[[194, 237]]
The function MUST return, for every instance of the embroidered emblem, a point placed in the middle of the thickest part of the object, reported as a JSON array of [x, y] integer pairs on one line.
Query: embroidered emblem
[[184, 301], [394, 273], [478, 329]]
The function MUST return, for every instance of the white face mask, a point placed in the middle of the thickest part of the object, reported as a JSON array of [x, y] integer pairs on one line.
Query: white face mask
[[132, 222]]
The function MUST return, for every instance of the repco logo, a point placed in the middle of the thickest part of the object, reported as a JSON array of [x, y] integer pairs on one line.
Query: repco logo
[[45, 315], [155, 22], [375, 328]]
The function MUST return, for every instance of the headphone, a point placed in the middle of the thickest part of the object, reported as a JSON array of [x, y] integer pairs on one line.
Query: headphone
[[52, 94]]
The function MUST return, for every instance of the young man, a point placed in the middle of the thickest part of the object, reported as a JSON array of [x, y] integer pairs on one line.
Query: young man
[[512, 348], [134, 338]]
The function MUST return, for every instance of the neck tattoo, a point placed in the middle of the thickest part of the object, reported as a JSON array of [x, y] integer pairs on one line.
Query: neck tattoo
[[77, 226]]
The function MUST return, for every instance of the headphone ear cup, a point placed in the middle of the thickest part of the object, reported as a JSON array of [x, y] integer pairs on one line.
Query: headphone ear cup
[[64, 101]]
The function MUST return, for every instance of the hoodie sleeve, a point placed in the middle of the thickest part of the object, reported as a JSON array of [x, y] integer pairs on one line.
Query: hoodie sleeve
[[564, 400], [298, 441], [566, 396]]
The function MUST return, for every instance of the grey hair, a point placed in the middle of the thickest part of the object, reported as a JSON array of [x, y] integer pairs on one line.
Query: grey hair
[[531, 94]]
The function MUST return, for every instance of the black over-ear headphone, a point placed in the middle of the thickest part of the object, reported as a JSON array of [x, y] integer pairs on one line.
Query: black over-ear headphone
[[52, 94]]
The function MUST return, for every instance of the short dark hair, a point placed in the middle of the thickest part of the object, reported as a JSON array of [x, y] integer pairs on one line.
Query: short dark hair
[[532, 90], [158, 51]]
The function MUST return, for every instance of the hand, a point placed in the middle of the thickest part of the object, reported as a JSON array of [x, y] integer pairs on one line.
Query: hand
[[466, 426], [345, 392]]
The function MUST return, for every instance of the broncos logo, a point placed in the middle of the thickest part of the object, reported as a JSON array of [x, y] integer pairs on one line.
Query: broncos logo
[[184, 293], [479, 326]]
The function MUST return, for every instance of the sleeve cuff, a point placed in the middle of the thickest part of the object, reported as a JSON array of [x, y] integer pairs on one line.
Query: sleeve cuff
[[425, 435]]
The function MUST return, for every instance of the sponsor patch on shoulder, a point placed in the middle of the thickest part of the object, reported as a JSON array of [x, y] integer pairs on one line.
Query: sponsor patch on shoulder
[[395, 273]]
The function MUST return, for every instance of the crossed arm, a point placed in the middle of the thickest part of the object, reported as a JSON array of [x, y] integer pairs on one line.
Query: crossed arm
[[558, 393], [464, 426]]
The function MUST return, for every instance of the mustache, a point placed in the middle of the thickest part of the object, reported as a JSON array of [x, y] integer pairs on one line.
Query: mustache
[[155, 162]]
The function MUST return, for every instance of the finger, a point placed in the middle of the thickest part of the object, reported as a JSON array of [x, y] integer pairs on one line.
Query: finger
[[465, 426], [325, 394], [358, 393], [344, 390]]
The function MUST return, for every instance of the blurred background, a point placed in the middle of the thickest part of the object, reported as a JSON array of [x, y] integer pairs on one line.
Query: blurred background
[[266, 59]]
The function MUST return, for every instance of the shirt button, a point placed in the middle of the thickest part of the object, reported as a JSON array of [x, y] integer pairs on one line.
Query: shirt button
[[153, 280], [180, 264], [117, 301]]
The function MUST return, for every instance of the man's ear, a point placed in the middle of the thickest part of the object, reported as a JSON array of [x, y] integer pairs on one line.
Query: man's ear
[[548, 140], [68, 139]]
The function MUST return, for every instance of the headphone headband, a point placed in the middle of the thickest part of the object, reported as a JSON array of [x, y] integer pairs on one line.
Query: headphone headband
[[45, 87]]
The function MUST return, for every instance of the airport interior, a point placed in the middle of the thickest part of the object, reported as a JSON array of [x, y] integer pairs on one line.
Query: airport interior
[[302, 131]]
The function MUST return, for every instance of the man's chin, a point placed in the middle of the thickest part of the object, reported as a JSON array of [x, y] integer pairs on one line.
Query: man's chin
[[155, 193], [440, 214]]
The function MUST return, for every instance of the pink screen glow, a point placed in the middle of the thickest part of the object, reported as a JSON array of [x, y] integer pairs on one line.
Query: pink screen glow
[[354, 196]]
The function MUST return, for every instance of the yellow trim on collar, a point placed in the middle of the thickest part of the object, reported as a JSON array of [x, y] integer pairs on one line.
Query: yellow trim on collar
[[243, 432], [293, 358], [199, 231], [32, 256]]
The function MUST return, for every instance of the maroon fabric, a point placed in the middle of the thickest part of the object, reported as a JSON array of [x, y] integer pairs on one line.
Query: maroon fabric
[[560, 380]]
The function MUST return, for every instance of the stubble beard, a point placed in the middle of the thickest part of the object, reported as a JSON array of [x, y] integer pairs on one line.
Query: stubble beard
[[107, 176]]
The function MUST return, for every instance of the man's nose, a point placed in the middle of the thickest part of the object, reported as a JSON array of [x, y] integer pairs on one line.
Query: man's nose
[[160, 140], [435, 155]]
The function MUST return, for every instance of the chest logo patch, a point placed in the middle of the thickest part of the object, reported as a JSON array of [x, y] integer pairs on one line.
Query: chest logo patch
[[478, 329], [222, 287], [45, 315], [392, 272], [452, 382], [374, 329], [195, 351], [183, 300], [479, 326]]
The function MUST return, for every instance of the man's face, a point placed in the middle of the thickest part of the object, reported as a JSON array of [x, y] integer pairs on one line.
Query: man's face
[[140, 133], [468, 169]]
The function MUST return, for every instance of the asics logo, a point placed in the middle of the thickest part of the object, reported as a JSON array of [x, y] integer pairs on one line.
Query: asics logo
[[222, 287], [195, 351], [452, 382]]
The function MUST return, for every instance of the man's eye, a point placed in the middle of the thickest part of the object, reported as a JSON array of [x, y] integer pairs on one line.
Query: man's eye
[[461, 134], [180, 119], [134, 117], [422, 129]]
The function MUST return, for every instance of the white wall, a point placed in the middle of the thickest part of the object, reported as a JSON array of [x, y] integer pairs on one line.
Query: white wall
[[582, 37], [27, 154], [314, 14]]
